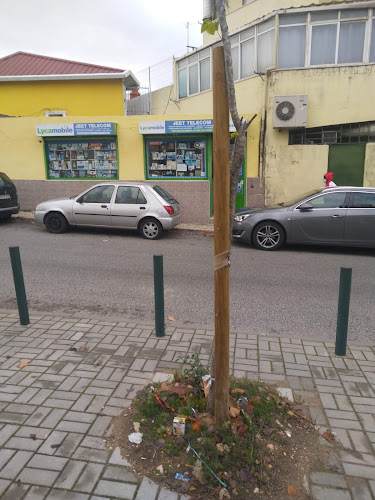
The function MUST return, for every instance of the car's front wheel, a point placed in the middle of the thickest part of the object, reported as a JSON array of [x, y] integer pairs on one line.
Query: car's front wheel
[[151, 229], [268, 235], [56, 223]]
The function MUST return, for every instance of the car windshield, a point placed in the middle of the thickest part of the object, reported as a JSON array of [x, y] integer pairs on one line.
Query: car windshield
[[164, 194], [300, 198]]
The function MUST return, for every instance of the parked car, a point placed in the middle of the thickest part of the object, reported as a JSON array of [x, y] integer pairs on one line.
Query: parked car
[[8, 197], [145, 207], [333, 216]]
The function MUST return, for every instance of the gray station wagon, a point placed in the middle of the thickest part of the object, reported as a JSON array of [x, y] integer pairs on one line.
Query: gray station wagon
[[145, 207], [333, 216]]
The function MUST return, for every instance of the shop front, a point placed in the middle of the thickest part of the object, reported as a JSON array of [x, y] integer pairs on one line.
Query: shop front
[[182, 150], [80, 150]]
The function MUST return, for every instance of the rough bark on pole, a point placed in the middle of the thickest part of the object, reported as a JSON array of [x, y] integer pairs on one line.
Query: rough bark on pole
[[222, 237]]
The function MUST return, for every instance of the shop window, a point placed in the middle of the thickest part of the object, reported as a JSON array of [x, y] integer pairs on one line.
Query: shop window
[[170, 158], [89, 159], [352, 38]]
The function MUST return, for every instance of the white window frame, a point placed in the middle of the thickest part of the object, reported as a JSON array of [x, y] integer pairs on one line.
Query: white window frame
[[307, 40], [187, 67]]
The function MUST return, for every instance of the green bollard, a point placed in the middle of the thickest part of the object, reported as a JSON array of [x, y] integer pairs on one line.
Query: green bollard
[[343, 311], [19, 285], [159, 295]]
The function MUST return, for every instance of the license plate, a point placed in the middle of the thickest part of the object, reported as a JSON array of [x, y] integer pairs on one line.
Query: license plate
[[4, 196]]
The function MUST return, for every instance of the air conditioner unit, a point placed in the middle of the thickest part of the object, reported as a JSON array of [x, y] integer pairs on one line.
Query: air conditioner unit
[[55, 113], [290, 111]]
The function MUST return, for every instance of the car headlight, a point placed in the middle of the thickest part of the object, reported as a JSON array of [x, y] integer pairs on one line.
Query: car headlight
[[241, 217]]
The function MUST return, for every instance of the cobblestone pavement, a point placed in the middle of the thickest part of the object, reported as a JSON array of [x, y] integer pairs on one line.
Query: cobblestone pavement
[[55, 412]]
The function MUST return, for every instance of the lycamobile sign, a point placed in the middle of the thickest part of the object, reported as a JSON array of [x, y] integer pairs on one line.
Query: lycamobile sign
[[66, 129]]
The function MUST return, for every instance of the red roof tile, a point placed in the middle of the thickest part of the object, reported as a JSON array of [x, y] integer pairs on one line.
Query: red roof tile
[[23, 63]]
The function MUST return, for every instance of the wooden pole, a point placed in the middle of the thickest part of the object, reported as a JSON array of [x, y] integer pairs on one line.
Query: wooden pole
[[221, 239]]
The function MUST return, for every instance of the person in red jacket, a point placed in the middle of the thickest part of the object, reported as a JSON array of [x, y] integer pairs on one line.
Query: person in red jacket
[[328, 179]]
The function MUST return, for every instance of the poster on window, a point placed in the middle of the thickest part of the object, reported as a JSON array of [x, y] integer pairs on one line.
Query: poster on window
[[176, 158], [82, 160]]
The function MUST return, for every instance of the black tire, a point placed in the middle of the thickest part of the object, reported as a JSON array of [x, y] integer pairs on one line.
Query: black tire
[[56, 223], [268, 235], [151, 229], [5, 217]]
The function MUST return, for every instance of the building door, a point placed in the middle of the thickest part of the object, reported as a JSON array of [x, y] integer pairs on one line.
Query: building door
[[347, 162]]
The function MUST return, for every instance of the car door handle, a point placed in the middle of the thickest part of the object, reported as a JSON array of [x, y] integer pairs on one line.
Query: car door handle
[[337, 216], [142, 208], [103, 206]]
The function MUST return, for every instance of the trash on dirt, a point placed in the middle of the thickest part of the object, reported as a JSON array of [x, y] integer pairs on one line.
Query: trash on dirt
[[135, 437], [23, 364], [207, 382], [182, 477], [328, 437], [160, 469], [292, 491], [234, 412], [204, 463], [256, 491], [223, 494], [136, 426], [179, 426], [288, 433]]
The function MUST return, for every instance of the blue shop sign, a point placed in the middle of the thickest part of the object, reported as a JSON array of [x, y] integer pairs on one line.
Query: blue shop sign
[[75, 129], [181, 126]]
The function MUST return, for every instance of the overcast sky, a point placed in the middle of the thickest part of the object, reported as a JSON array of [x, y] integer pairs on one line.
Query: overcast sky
[[120, 33]]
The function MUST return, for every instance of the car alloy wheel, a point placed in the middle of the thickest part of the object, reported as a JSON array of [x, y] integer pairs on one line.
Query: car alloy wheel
[[268, 236]]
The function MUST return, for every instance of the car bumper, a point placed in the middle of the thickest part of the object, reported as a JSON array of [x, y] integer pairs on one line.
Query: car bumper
[[170, 222], [39, 216], [240, 231], [10, 210]]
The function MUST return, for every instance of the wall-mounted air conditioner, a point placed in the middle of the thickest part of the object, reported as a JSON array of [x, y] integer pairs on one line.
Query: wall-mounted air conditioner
[[290, 111]]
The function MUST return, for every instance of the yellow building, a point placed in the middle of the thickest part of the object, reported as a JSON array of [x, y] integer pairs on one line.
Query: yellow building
[[307, 70], [34, 85]]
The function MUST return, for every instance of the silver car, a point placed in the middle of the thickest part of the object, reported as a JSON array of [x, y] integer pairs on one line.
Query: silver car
[[333, 216], [145, 207]]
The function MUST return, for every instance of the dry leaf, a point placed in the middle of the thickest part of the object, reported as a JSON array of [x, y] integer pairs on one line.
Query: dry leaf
[[24, 363], [233, 412], [181, 390], [292, 491], [136, 426], [328, 437], [205, 234], [82, 348], [171, 318], [196, 426], [192, 488], [296, 416], [238, 391]]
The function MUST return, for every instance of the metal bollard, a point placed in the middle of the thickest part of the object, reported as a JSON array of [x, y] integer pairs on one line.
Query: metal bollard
[[343, 311], [19, 285], [159, 295]]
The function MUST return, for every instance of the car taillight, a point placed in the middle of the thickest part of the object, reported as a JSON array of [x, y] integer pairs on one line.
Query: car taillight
[[169, 209]]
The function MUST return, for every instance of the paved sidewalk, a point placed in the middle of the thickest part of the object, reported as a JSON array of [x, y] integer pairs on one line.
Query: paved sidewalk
[[55, 412]]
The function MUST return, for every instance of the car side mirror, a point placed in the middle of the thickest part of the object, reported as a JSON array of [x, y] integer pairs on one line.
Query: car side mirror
[[80, 200], [305, 206]]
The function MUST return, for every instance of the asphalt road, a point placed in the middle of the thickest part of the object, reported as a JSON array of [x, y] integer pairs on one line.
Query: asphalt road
[[291, 292]]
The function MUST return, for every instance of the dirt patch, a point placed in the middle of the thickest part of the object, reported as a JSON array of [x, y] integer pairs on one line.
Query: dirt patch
[[277, 467]]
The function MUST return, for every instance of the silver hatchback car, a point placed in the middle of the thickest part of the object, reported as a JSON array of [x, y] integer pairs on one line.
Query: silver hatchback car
[[334, 216], [145, 207]]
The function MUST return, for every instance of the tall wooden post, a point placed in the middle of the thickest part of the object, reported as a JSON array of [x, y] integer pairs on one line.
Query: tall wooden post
[[221, 240]]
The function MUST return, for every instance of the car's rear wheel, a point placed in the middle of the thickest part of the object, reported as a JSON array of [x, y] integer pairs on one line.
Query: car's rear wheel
[[151, 229], [268, 235], [56, 223]]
